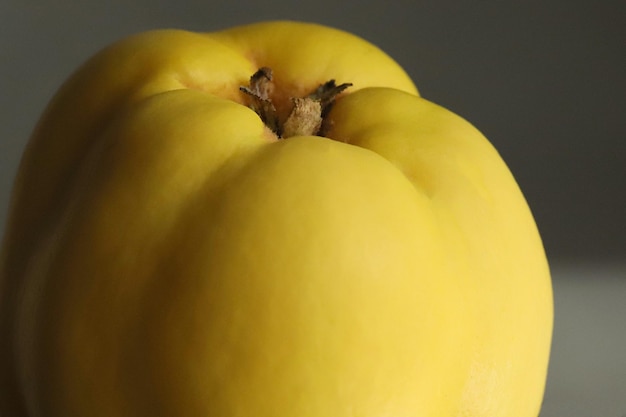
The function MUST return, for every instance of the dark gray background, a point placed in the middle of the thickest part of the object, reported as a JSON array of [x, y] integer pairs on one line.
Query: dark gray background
[[544, 80]]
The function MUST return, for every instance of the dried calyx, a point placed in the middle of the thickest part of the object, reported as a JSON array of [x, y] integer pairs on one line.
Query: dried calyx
[[307, 113]]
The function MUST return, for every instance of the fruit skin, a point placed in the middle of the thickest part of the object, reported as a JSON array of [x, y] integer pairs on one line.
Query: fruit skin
[[166, 255]]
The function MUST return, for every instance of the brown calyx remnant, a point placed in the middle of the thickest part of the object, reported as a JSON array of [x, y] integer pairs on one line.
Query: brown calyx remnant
[[307, 113]]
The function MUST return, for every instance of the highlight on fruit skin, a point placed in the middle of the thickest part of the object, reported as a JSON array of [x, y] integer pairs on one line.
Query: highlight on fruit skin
[[187, 238]]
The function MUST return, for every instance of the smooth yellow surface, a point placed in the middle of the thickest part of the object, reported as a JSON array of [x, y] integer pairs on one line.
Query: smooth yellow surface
[[167, 256]]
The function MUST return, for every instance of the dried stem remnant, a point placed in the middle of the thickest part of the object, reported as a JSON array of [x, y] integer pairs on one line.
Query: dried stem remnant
[[307, 114]]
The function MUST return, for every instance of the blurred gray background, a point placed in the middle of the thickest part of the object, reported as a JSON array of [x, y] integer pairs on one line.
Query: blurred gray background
[[543, 80]]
